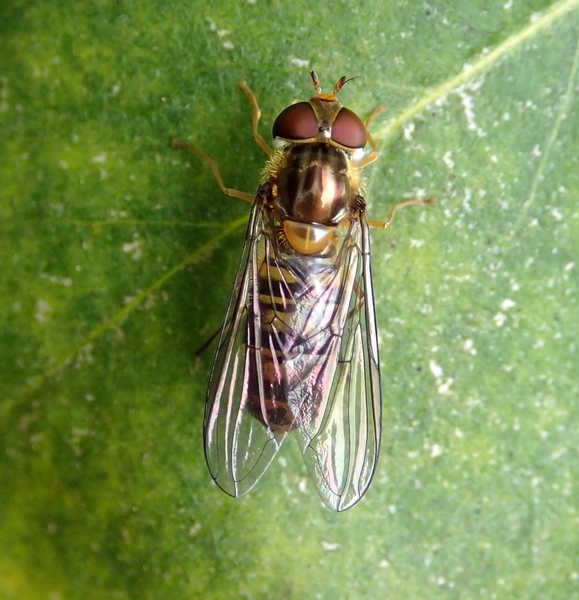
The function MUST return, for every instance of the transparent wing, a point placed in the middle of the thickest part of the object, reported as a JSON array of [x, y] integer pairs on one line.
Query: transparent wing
[[238, 447], [340, 440], [298, 350]]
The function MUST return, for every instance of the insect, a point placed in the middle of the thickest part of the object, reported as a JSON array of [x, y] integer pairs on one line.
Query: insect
[[298, 351]]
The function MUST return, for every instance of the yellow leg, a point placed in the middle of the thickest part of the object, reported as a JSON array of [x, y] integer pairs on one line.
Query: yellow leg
[[255, 120], [227, 191], [354, 311], [415, 202], [256, 136], [374, 154]]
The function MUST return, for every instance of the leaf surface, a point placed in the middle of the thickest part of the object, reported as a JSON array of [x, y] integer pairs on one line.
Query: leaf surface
[[118, 253]]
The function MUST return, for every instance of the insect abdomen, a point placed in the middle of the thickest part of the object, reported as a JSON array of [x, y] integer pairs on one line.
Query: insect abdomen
[[296, 309], [277, 305]]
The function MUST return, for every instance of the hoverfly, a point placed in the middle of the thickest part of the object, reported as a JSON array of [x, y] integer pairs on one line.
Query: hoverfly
[[298, 350]]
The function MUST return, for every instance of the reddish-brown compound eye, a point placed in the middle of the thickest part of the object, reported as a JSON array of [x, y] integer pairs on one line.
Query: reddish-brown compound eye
[[296, 122], [348, 130]]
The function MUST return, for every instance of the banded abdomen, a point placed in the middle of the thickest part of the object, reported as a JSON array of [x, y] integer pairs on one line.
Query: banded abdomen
[[299, 285]]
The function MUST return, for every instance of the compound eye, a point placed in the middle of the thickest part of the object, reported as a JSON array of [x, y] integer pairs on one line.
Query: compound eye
[[296, 122], [348, 130]]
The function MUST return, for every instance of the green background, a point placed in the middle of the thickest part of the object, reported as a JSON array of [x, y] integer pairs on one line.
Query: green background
[[117, 257]]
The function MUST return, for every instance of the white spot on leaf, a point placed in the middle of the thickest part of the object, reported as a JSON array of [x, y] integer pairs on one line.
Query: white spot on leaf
[[43, 311], [499, 319], [447, 159], [330, 545], [507, 303], [300, 62], [435, 369], [134, 249], [437, 450]]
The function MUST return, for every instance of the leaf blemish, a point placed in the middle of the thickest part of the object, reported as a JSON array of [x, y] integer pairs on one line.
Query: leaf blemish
[[43, 311], [134, 248]]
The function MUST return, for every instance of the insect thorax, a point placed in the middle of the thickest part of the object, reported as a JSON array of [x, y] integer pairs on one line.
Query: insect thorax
[[314, 184], [313, 187]]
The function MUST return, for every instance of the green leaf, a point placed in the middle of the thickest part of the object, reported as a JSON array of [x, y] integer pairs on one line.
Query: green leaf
[[118, 253]]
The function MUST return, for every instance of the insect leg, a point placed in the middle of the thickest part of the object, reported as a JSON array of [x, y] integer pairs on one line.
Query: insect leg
[[374, 154], [227, 191], [356, 309], [415, 202], [255, 120], [207, 343]]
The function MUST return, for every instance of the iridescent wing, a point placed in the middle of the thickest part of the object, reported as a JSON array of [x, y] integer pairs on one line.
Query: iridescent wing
[[341, 442], [238, 447], [301, 330]]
